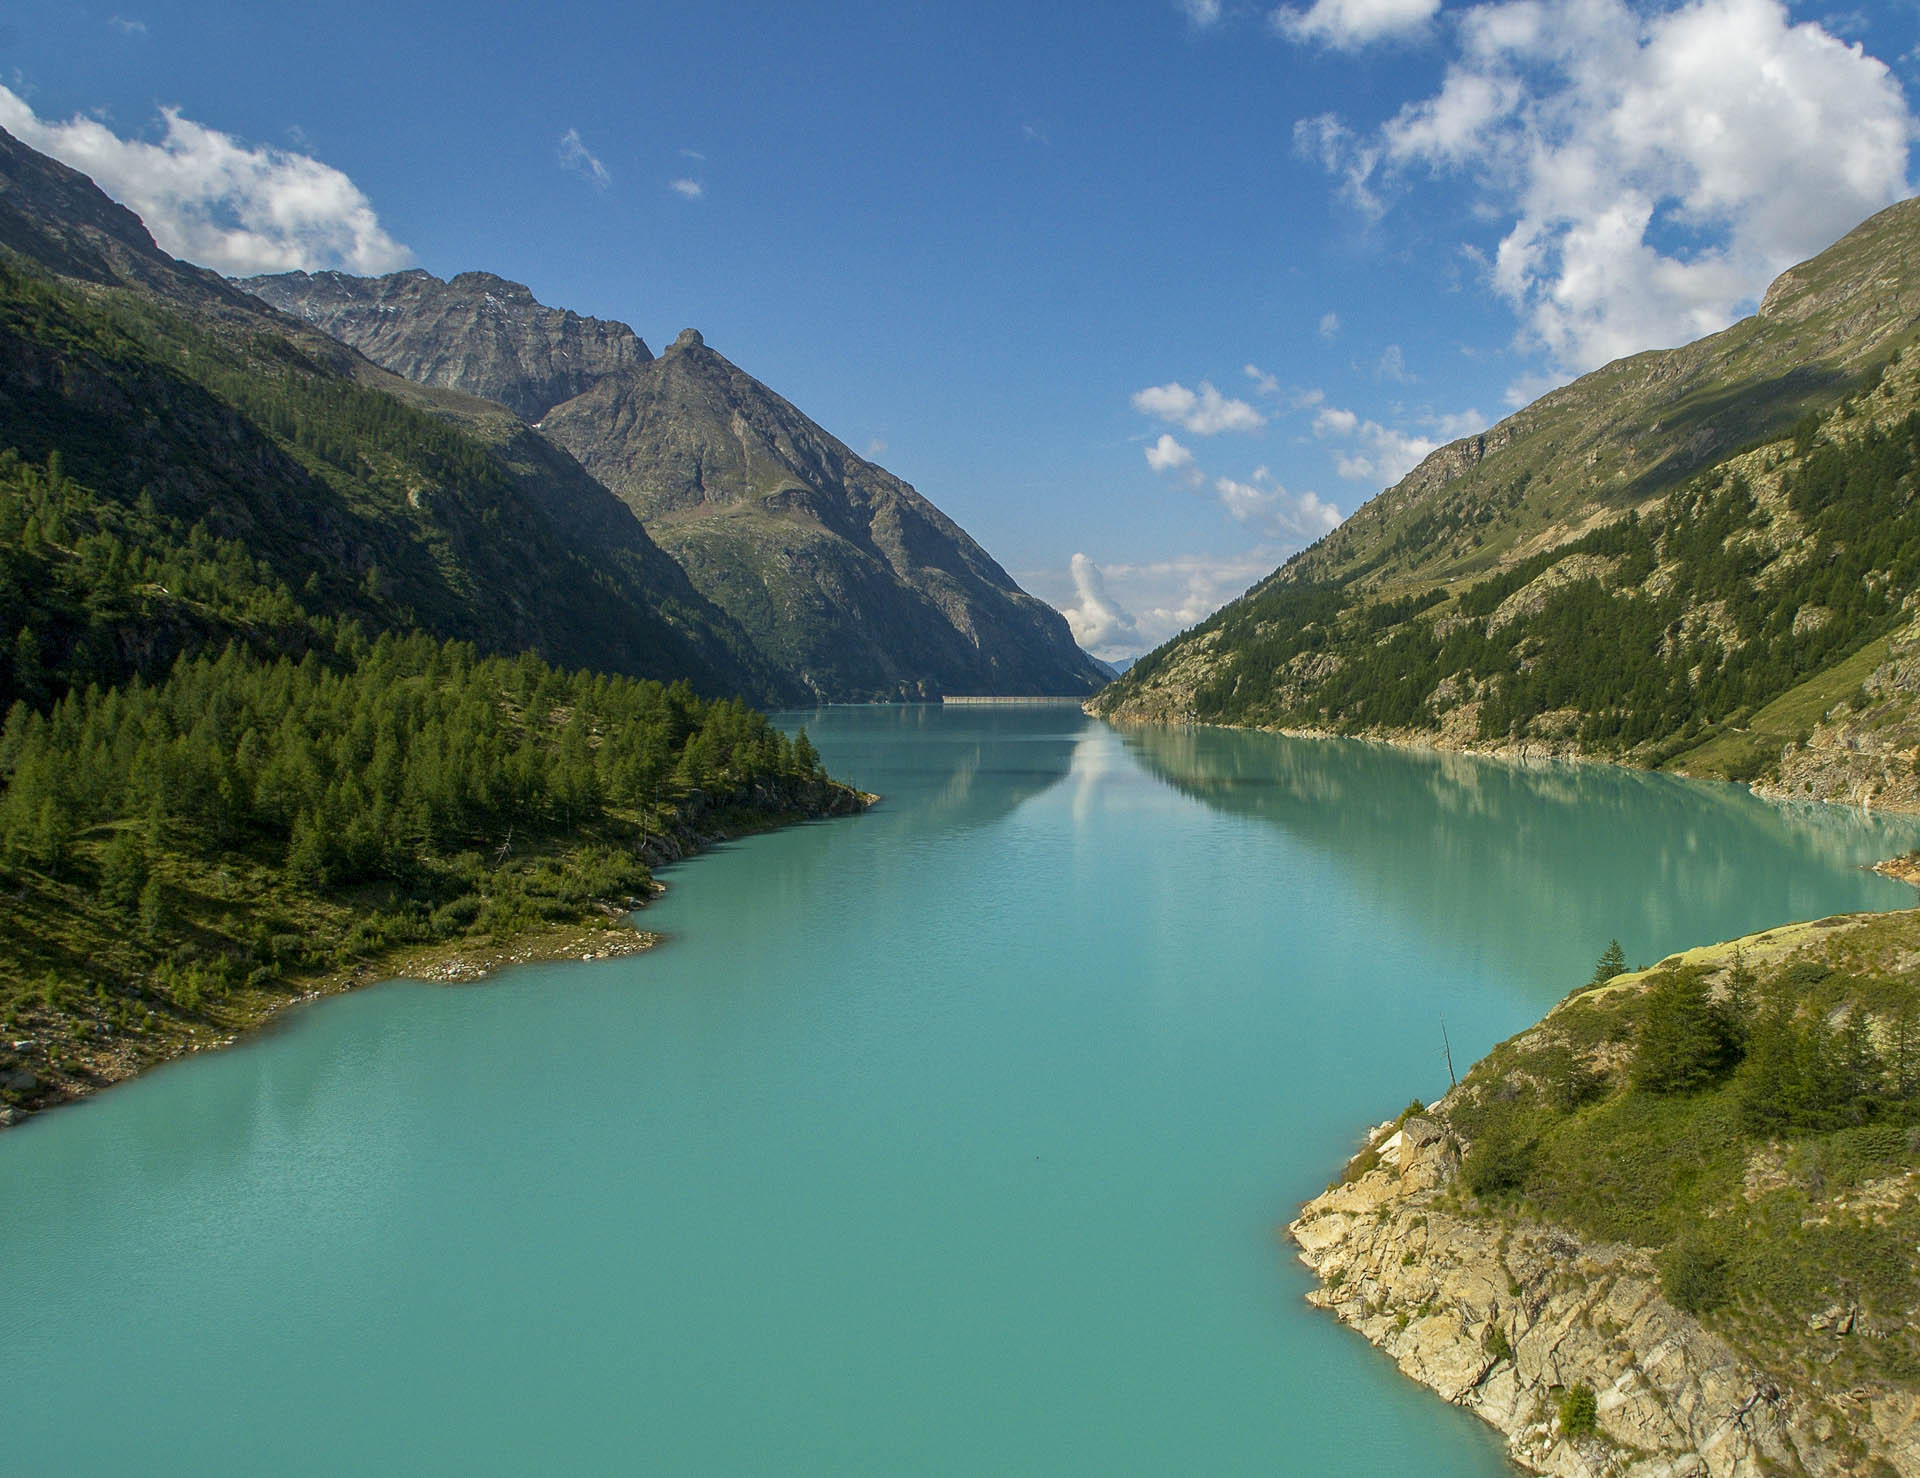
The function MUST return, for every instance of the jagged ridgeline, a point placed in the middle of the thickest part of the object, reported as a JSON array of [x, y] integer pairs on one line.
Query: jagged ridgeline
[[1688, 557], [850, 581]]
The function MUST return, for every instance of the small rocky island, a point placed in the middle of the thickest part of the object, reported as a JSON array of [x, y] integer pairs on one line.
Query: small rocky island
[[1670, 1230]]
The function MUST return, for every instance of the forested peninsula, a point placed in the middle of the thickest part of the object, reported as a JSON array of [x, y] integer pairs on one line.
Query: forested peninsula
[[185, 855], [310, 675]]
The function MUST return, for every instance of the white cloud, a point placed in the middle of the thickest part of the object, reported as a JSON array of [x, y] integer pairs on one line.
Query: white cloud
[[1347, 25], [1204, 412], [1329, 326], [1654, 171], [127, 25], [1372, 452], [1167, 455], [1099, 623], [1263, 383], [876, 448], [1343, 154], [1263, 504], [1201, 13], [575, 156], [1460, 423], [1121, 610], [213, 200], [1392, 365], [687, 189]]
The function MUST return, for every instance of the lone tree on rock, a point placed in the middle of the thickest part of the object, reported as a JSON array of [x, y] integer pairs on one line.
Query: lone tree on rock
[[1613, 961]]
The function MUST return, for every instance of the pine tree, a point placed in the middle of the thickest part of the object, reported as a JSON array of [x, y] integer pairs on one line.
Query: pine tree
[[1612, 962], [123, 871], [806, 759], [1683, 1043], [154, 913]]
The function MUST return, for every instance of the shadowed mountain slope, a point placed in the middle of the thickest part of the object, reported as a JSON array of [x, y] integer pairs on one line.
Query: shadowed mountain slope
[[180, 403], [849, 580]]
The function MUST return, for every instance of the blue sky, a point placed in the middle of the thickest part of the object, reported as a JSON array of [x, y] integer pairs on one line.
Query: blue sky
[[1144, 294]]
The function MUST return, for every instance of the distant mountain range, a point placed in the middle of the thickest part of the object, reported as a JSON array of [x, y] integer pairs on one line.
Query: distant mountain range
[[1703, 558], [849, 582]]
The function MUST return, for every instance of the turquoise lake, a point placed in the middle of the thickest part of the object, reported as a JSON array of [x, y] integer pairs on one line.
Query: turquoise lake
[[949, 1139]]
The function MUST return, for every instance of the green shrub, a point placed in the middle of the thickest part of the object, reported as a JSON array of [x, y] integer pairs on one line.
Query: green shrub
[[1693, 1275], [1579, 1412], [1498, 1163]]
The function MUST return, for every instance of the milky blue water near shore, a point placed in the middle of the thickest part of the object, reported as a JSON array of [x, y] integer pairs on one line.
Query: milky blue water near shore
[[950, 1139]]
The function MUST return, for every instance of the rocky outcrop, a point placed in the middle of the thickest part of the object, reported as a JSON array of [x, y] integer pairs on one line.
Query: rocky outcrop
[[1510, 1318], [1866, 750], [476, 333]]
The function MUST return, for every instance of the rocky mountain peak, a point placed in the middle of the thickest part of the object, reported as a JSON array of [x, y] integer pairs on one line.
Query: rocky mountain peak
[[478, 332], [841, 574], [500, 288]]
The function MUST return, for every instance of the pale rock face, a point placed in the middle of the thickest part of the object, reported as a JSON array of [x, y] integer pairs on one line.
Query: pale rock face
[[1404, 1266], [477, 333]]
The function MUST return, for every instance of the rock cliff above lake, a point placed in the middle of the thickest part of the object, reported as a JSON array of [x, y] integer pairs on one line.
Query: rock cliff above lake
[[1723, 1339]]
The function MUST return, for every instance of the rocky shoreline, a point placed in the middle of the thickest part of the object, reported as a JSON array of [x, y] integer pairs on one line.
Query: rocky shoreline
[[1566, 1344], [1505, 1319]]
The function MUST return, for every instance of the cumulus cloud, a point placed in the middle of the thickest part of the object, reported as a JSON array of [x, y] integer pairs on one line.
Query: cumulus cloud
[[687, 189], [1204, 412], [1201, 13], [1371, 452], [1346, 25], [208, 198], [1262, 503], [1329, 326], [1121, 610], [1654, 171], [1167, 455], [1098, 622], [574, 155]]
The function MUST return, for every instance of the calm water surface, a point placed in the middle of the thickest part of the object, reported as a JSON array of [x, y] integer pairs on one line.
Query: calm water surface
[[948, 1139]]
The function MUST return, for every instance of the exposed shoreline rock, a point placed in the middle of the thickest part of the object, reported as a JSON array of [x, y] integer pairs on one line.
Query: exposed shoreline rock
[[1516, 1319], [1503, 1320]]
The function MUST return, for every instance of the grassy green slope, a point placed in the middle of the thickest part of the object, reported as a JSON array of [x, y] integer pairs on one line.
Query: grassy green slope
[[1634, 429], [1704, 620], [1750, 1112]]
